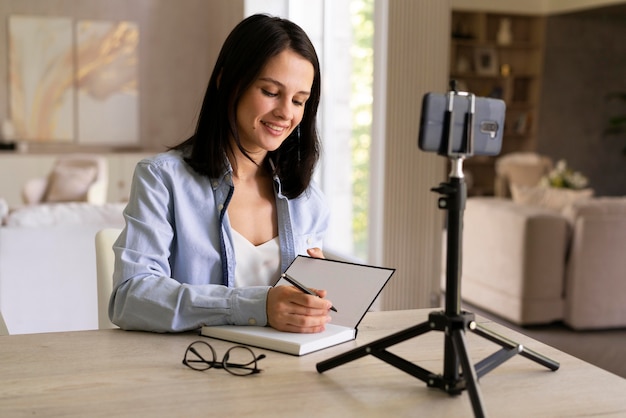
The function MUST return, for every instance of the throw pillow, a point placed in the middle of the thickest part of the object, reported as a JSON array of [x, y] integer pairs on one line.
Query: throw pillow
[[69, 184], [548, 197]]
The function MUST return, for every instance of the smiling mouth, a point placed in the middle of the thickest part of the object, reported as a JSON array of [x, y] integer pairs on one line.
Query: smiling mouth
[[276, 128]]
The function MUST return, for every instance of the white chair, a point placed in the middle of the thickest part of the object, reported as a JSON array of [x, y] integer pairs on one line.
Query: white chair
[[3, 326], [521, 169], [74, 178], [105, 262]]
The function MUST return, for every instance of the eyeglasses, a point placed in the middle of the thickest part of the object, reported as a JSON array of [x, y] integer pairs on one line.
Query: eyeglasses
[[238, 360]]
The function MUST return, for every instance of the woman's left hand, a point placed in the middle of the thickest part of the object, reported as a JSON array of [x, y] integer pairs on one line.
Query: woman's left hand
[[315, 252]]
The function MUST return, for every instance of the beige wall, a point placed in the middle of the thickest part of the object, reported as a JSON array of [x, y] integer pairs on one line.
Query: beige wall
[[179, 42]]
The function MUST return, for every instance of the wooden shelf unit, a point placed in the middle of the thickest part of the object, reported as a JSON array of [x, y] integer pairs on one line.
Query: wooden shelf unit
[[510, 71]]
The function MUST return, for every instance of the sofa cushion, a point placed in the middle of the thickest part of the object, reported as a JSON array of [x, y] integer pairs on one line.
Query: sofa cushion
[[613, 206], [109, 214], [595, 285], [548, 197]]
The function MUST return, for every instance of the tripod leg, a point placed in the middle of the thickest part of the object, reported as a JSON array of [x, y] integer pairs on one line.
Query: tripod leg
[[509, 344], [377, 345], [469, 374]]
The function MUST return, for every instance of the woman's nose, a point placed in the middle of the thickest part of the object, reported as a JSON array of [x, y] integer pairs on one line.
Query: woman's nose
[[284, 110]]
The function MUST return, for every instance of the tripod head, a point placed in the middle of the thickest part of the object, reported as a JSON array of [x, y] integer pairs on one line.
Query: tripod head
[[459, 125]]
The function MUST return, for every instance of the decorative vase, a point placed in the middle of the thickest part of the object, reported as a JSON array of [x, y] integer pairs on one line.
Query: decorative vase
[[7, 130], [504, 35], [462, 65]]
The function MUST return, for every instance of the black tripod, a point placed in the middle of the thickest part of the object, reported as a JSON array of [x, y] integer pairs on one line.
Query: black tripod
[[452, 320]]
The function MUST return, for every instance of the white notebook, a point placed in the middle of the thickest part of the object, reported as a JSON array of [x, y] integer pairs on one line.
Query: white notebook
[[351, 287]]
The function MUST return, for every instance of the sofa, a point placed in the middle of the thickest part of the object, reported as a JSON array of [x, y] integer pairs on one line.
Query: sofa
[[531, 264], [48, 280]]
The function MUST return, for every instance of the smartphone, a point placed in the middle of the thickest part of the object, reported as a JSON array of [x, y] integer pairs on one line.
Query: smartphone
[[488, 124]]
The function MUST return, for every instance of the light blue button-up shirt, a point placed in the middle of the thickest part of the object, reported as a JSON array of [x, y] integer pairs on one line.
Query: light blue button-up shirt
[[175, 261]]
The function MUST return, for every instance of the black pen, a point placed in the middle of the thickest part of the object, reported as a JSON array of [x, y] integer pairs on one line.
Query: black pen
[[301, 287]]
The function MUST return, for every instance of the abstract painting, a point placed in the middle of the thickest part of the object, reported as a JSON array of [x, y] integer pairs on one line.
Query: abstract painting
[[107, 83], [69, 85], [41, 78]]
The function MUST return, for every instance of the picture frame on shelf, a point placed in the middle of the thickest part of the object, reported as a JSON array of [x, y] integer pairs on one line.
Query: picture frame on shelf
[[521, 124], [486, 61]]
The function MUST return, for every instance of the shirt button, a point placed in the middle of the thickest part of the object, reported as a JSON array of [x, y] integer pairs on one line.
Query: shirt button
[[220, 207], [251, 321], [308, 241], [215, 184]]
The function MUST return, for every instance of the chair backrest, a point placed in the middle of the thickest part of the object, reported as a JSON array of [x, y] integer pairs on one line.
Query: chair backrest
[[521, 169], [3, 326], [105, 262]]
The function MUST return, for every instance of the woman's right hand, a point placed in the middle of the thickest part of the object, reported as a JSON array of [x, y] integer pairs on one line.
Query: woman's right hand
[[288, 309]]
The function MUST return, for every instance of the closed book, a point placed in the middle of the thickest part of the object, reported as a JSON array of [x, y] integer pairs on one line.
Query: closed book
[[285, 342]]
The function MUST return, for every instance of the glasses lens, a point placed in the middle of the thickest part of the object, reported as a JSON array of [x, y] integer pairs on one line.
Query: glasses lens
[[240, 361], [199, 356]]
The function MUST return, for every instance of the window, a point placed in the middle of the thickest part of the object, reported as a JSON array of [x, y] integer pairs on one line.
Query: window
[[343, 34]]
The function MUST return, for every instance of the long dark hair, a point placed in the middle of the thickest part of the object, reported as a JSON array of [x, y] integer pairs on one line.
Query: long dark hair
[[245, 52]]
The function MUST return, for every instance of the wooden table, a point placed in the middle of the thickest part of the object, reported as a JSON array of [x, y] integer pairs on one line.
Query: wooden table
[[116, 373]]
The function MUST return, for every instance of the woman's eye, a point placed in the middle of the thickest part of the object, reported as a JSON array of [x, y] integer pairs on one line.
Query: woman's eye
[[298, 103], [269, 93]]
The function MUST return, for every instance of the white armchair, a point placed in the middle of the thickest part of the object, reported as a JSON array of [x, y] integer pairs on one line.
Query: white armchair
[[74, 178], [520, 169]]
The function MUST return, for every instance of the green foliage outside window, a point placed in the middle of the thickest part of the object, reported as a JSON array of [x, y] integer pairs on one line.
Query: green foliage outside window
[[362, 53]]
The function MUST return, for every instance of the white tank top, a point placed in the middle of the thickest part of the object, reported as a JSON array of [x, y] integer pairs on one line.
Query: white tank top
[[257, 265]]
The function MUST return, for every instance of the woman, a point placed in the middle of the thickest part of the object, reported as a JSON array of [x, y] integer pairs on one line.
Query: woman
[[212, 223]]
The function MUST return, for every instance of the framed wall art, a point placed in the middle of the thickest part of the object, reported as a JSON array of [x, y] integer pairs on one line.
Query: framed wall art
[[485, 61]]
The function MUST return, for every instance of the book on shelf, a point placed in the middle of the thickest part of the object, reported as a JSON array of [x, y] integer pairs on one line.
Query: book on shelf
[[351, 287]]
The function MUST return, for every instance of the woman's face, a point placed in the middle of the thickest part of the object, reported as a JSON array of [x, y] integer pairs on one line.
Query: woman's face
[[273, 105]]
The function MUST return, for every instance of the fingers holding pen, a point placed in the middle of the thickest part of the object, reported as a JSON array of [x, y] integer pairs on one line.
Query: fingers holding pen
[[288, 309], [303, 288], [292, 300]]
